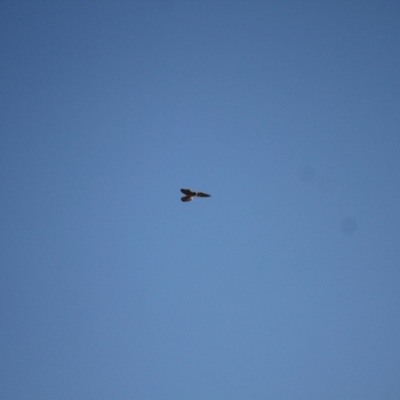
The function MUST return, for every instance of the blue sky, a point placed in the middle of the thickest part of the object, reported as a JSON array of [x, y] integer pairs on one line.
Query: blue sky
[[284, 284]]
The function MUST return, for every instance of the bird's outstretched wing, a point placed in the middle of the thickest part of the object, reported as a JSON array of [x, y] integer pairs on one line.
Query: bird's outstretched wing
[[188, 192], [201, 194], [186, 198]]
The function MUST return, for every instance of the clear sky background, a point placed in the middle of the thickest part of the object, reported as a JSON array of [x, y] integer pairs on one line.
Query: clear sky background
[[284, 284]]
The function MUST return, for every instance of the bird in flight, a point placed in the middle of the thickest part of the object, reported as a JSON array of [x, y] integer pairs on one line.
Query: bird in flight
[[188, 195]]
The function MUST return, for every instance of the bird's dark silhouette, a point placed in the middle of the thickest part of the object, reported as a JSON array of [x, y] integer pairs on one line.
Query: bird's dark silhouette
[[188, 195]]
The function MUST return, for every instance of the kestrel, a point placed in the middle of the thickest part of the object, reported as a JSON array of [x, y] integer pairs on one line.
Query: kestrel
[[189, 194]]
